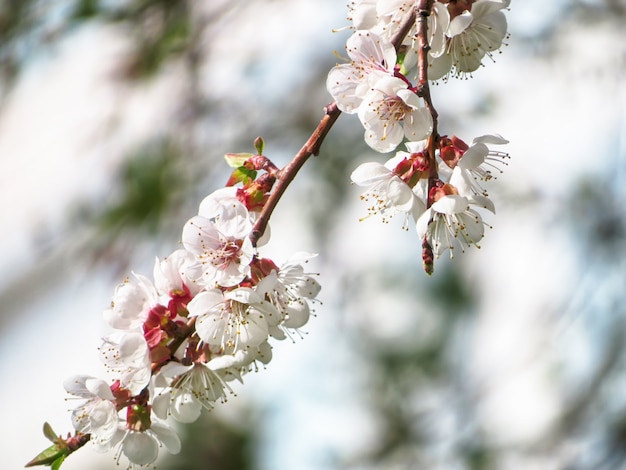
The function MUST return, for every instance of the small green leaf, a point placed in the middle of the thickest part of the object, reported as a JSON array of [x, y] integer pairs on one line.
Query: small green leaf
[[241, 175], [236, 160], [49, 456], [57, 463], [49, 433]]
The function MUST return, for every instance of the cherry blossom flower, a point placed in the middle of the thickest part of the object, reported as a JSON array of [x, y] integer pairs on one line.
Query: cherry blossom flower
[[233, 320], [190, 389], [218, 237], [97, 415], [372, 58], [131, 303], [289, 289], [477, 164], [452, 220], [388, 192], [126, 354], [177, 273], [471, 35], [141, 447], [390, 112]]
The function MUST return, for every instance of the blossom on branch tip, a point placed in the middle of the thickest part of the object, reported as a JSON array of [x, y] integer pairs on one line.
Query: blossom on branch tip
[[97, 415], [470, 36], [452, 220]]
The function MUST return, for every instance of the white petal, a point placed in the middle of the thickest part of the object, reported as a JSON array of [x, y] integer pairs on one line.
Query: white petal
[[185, 408], [484, 202], [460, 23], [211, 328], [174, 369], [400, 194], [253, 330], [422, 223], [298, 314], [199, 233], [244, 295], [99, 388], [133, 350], [76, 386], [439, 66], [418, 124], [369, 173], [206, 302], [462, 180], [474, 226], [369, 47], [161, 404], [376, 139], [451, 204], [474, 156], [416, 147], [490, 139], [140, 448], [308, 287]]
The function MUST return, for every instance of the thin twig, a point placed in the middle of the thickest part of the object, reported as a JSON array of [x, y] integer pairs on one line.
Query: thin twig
[[313, 144], [423, 89]]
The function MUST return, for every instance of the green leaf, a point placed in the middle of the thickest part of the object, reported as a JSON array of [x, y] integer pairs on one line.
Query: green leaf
[[236, 160], [49, 433], [57, 463], [242, 175], [49, 456]]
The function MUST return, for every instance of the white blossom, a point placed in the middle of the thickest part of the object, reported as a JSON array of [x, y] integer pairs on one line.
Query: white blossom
[[141, 447], [452, 221], [387, 193], [218, 238], [233, 320], [126, 355], [471, 35], [131, 303], [372, 58], [97, 415], [390, 112]]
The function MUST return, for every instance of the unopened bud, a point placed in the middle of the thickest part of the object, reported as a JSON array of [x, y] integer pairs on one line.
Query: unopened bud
[[428, 258], [259, 145]]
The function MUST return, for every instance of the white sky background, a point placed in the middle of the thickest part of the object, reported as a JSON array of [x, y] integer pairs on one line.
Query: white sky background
[[52, 150]]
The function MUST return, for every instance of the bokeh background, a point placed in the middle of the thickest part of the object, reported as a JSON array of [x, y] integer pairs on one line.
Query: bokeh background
[[114, 119]]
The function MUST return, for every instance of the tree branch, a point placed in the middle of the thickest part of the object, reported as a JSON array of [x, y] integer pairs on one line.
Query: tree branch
[[313, 144]]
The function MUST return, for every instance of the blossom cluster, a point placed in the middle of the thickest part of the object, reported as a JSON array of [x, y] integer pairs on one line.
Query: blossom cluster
[[439, 181], [460, 32], [446, 209], [180, 339]]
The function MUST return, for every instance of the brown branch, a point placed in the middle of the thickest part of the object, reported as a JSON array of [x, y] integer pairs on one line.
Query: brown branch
[[312, 145], [423, 89]]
